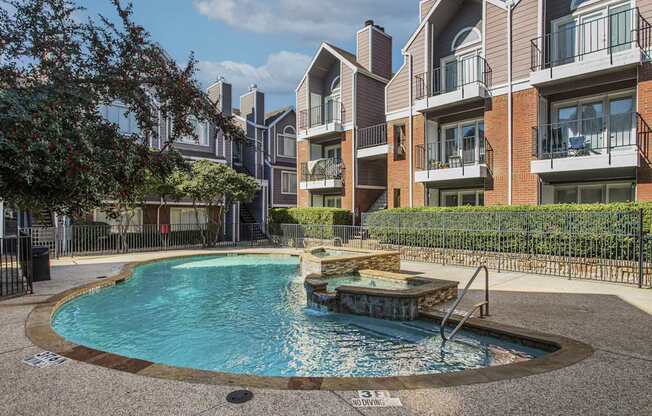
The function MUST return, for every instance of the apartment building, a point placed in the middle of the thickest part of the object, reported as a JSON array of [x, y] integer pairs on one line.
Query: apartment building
[[341, 129], [522, 102]]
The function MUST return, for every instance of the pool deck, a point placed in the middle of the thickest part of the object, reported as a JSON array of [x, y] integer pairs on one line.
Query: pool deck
[[616, 320]]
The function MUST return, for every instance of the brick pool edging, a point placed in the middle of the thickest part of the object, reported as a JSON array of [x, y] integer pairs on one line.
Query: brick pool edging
[[563, 351]]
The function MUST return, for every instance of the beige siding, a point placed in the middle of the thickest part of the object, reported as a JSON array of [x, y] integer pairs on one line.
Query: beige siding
[[418, 50], [645, 7], [302, 98], [425, 7], [398, 91], [468, 15], [496, 43], [346, 82], [370, 101], [381, 54], [524, 29], [362, 52]]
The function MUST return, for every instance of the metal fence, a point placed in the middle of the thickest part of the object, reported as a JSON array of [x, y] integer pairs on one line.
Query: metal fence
[[84, 240], [15, 266], [605, 246]]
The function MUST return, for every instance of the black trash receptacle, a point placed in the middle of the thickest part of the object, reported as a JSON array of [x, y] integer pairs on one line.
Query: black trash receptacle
[[40, 264]]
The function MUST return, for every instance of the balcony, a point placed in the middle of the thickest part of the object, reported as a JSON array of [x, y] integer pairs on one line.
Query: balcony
[[590, 146], [458, 81], [321, 120], [468, 161], [322, 174], [601, 45], [372, 141]]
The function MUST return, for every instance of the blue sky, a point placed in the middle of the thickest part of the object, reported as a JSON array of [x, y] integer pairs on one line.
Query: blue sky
[[267, 42]]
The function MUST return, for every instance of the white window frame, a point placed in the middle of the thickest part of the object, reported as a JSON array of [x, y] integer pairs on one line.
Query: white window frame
[[578, 14], [331, 147], [203, 136], [136, 221], [133, 128], [458, 139], [193, 225], [459, 55], [459, 193], [286, 173], [333, 198], [605, 186], [287, 136], [461, 33]]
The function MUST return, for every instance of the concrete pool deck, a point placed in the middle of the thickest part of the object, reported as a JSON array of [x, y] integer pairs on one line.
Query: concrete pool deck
[[615, 320]]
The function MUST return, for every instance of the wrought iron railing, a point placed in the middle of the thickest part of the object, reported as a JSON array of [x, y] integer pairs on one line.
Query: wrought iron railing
[[611, 34], [331, 112], [322, 170], [15, 266], [453, 76], [454, 155], [372, 136], [590, 136]]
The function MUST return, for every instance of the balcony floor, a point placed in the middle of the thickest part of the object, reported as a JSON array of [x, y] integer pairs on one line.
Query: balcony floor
[[619, 159], [470, 172]]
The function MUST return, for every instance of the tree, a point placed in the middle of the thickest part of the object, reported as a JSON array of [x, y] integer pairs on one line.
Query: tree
[[56, 149], [217, 187]]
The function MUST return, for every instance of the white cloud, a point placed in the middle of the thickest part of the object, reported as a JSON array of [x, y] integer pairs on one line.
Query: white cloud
[[310, 19], [279, 75]]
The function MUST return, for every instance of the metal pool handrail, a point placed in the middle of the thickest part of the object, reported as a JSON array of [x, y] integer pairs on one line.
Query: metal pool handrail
[[483, 306]]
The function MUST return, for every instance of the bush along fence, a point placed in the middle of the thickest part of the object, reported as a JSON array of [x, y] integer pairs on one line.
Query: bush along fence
[[99, 239], [15, 266], [598, 245]]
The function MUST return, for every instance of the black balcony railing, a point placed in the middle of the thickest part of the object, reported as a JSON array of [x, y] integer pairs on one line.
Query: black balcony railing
[[589, 137], [331, 112], [372, 136], [455, 155], [322, 170], [454, 75], [617, 32]]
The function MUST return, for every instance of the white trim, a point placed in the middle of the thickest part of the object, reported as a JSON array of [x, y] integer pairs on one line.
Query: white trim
[[282, 167], [510, 120], [467, 44], [283, 172], [398, 114], [251, 123], [285, 114], [285, 136], [196, 158], [410, 128]]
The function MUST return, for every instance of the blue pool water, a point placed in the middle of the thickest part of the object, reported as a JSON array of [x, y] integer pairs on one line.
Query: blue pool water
[[248, 315], [363, 281]]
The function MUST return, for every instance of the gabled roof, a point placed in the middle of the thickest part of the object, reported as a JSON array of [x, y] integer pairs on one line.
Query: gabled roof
[[273, 116], [346, 57]]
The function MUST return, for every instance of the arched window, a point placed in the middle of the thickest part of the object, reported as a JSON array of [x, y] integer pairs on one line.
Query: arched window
[[289, 131], [465, 37], [335, 85], [576, 3]]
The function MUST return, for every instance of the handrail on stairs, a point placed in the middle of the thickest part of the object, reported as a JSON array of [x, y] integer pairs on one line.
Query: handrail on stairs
[[483, 306]]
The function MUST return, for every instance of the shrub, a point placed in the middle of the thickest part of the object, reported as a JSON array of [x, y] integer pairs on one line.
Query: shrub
[[317, 222]]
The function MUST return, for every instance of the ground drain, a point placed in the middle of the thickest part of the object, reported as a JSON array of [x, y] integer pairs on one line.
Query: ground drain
[[239, 396]]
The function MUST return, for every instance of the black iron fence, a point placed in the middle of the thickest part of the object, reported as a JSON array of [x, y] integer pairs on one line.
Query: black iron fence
[[572, 42], [453, 76], [470, 151], [322, 170], [330, 112], [372, 136], [83, 240], [15, 266], [604, 246]]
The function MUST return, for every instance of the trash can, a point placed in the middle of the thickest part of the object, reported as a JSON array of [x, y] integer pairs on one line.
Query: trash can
[[40, 264]]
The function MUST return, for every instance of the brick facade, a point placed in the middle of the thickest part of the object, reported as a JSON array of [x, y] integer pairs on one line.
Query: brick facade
[[525, 185], [644, 172], [398, 171], [495, 124]]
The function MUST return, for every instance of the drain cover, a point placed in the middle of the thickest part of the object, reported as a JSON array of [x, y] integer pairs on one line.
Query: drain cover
[[239, 396]]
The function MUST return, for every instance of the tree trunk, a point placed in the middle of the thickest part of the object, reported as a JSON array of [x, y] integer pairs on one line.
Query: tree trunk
[[201, 228]]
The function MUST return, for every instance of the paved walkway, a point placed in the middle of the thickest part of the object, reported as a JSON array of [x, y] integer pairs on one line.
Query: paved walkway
[[616, 380]]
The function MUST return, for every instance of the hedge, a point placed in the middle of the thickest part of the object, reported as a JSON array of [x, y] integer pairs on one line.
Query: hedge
[[311, 218], [606, 231]]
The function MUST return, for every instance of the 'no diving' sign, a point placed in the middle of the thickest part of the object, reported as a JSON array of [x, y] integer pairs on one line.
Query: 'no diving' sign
[[375, 398]]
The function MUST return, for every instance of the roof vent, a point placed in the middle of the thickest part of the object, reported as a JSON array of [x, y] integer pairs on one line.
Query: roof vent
[[253, 87], [369, 23], [382, 29], [221, 79]]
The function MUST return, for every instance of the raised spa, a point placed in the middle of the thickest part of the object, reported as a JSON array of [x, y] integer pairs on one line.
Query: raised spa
[[247, 315]]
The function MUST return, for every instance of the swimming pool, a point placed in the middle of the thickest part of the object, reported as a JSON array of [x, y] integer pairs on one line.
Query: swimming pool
[[247, 315], [367, 282]]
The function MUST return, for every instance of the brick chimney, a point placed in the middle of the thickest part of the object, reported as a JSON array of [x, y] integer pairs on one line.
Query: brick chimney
[[374, 49]]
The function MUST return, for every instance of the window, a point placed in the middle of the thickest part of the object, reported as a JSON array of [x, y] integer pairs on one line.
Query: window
[[135, 223], [286, 145], [201, 131], [593, 193], [184, 218], [466, 37], [332, 201], [458, 198], [397, 198], [463, 143], [119, 114], [289, 183], [399, 142]]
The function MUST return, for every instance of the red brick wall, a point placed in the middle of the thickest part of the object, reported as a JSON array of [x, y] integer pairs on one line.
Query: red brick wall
[[398, 171], [644, 94], [303, 155], [495, 124], [525, 188], [347, 159], [418, 139]]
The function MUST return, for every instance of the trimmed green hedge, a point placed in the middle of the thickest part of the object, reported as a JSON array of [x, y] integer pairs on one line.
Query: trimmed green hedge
[[305, 216]]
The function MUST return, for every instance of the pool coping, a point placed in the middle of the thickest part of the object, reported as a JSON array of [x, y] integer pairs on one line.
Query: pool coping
[[564, 351]]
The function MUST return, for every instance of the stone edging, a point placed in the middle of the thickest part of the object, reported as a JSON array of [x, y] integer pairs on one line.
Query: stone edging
[[565, 352]]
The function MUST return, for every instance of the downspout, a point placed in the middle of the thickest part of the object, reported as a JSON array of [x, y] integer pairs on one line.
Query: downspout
[[411, 162], [354, 156], [510, 138]]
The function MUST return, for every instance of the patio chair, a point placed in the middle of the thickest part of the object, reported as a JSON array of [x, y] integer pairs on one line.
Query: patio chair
[[578, 146]]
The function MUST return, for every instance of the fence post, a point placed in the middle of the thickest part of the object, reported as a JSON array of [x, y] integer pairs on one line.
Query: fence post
[[640, 248], [500, 243]]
